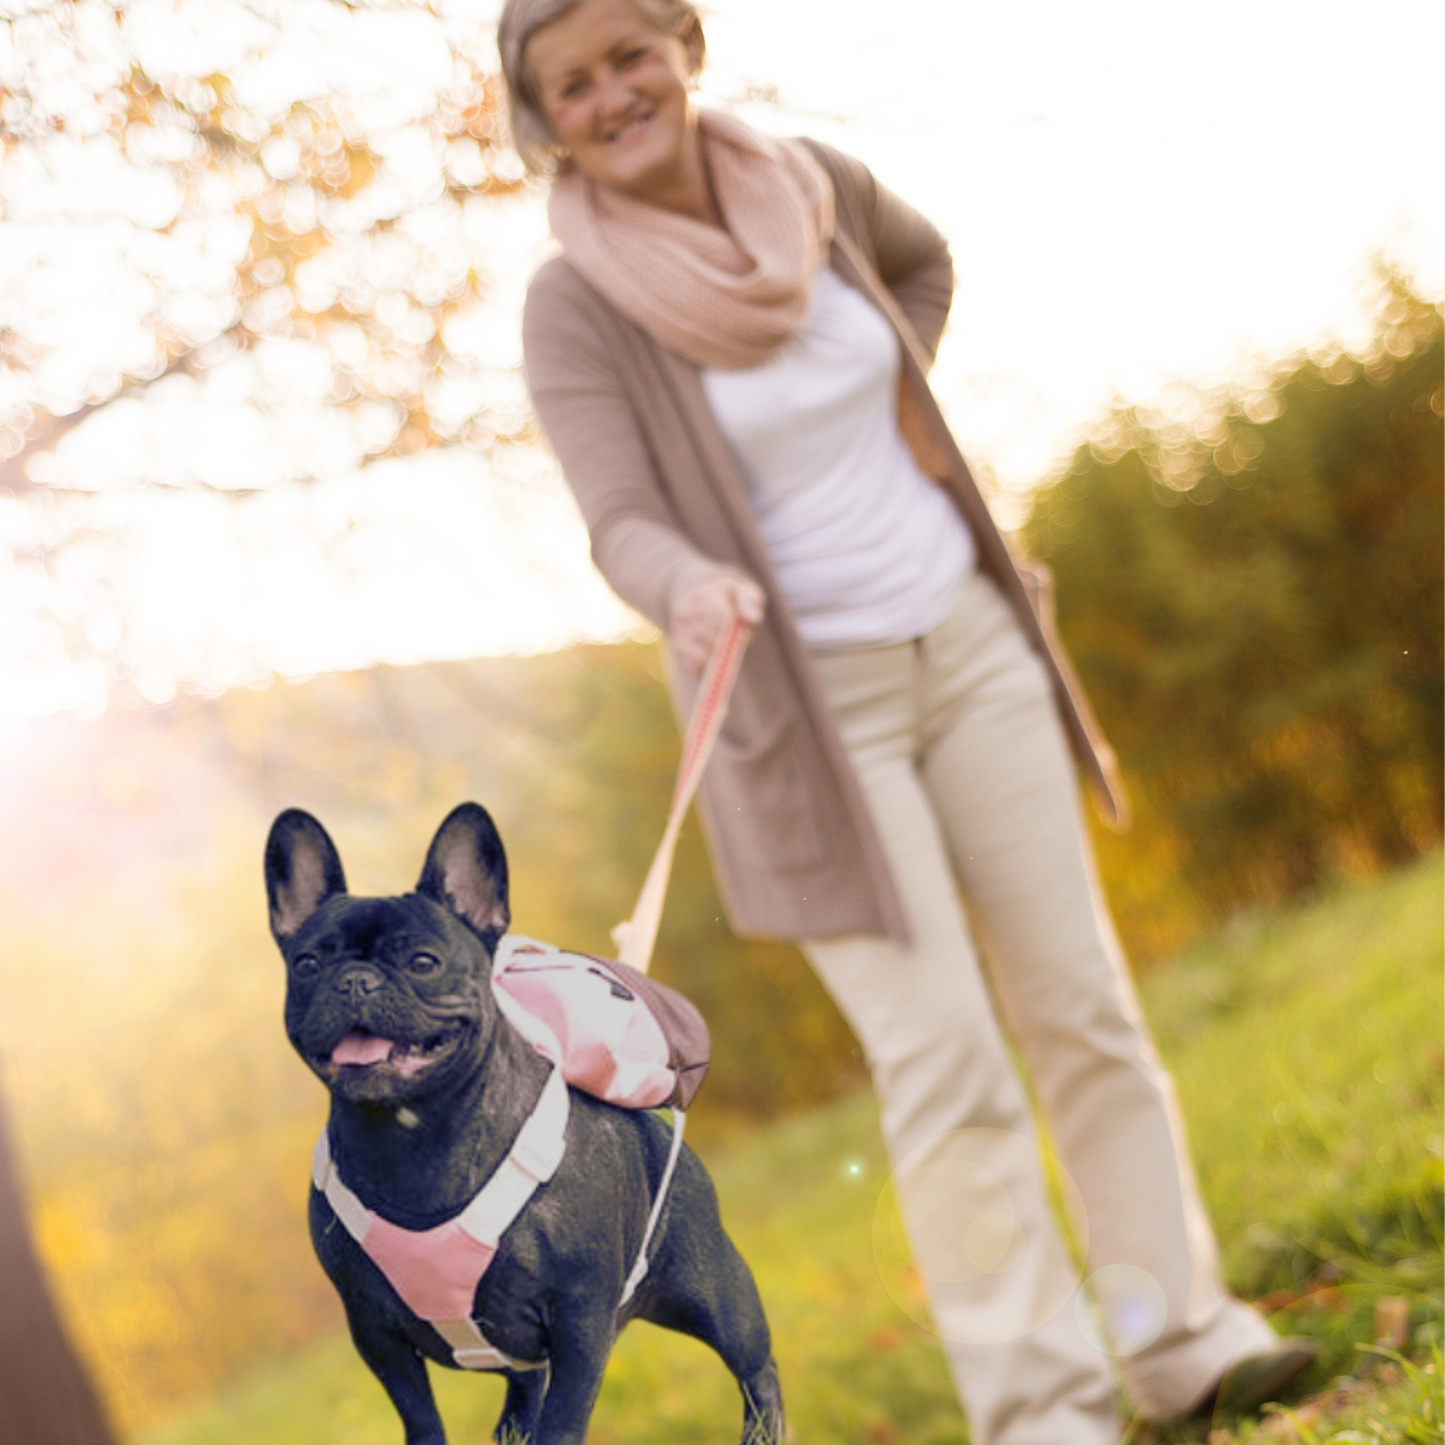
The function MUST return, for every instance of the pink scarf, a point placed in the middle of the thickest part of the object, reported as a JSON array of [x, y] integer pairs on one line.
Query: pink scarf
[[725, 299]]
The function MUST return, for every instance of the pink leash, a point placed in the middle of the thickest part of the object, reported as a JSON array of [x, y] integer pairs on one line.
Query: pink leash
[[635, 937]]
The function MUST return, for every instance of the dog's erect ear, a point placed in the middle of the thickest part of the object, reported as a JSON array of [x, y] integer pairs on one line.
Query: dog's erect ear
[[303, 870], [466, 870]]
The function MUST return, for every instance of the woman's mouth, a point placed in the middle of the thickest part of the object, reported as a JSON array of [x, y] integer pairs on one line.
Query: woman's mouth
[[629, 128]]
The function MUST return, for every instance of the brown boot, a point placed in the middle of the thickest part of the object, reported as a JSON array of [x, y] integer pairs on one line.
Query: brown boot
[[1249, 1382]]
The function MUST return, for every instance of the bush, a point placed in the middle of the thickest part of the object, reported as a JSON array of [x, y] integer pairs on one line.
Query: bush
[[1252, 594]]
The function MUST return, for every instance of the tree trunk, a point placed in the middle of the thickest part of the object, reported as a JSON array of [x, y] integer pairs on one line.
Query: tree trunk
[[46, 1398]]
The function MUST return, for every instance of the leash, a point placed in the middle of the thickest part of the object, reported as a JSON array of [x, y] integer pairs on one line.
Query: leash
[[636, 936]]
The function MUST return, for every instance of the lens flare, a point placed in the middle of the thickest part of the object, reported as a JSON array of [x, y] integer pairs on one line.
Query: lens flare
[[963, 1207], [1121, 1309]]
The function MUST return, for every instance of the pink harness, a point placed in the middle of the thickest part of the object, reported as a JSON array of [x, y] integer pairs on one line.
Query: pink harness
[[601, 1038]]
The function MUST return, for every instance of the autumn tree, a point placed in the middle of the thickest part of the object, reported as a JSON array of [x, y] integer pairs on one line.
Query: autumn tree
[[46, 1396], [1250, 583], [269, 200]]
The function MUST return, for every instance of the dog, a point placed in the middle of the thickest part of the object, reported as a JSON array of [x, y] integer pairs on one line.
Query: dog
[[470, 1209]]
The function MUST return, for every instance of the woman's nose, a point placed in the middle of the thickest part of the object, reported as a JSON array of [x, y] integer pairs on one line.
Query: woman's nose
[[614, 95]]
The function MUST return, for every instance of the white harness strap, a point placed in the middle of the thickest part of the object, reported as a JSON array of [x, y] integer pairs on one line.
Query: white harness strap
[[533, 1158], [639, 1269]]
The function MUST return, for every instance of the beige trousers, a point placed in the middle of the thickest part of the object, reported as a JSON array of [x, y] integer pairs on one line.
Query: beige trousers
[[957, 745]]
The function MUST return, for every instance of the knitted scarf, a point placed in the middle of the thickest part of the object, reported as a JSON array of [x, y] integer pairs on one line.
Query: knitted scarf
[[725, 299]]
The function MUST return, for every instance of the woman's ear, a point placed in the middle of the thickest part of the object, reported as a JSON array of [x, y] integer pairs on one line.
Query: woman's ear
[[696, 47]]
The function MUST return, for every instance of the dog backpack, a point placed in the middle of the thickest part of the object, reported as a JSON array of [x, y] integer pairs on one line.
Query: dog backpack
[[615, 1033]]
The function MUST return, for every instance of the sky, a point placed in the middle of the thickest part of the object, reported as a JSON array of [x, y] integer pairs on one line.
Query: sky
[[1134, 192], [1137, 195]]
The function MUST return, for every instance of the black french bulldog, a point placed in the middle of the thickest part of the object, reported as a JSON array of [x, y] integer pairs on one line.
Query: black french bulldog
[[389, 1002]]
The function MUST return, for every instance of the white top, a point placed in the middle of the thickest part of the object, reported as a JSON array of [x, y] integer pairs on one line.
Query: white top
[[868, 551]]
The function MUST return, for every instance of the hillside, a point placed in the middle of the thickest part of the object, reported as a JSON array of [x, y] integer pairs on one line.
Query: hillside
[[1306, 1047]]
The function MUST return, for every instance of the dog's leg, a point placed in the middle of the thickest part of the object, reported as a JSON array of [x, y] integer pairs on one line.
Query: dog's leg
[[579, 1341], [403, 1376], [719, 1305], [518, 1424], [762, 1406], [701, 1286]]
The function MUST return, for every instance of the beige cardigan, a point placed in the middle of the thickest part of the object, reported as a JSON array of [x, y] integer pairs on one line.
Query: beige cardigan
[[792, 843]]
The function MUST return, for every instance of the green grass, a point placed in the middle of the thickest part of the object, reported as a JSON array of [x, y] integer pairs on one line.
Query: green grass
[[1306, 1047], [1392, 1401]]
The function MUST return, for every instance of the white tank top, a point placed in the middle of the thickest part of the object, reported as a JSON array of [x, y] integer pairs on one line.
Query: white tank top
[[868, 551]]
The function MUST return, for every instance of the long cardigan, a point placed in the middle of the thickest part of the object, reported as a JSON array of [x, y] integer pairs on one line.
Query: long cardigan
[[794, 848]]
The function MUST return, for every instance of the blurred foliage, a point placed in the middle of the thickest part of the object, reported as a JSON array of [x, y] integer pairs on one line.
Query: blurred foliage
[[1251, 590], [339, 205], [1307, 1053]]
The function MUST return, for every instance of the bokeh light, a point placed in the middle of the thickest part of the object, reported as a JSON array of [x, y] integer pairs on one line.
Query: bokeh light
[[951, 1203], [276, 243], [1121, 1309]]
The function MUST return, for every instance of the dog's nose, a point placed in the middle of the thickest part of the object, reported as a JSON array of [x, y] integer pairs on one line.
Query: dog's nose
[[358, 982]]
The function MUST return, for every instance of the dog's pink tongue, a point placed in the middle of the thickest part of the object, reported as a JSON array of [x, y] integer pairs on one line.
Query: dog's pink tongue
[[361, 1049]]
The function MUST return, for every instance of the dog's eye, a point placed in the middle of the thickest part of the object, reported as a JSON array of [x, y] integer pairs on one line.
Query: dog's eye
[[305, 964], [423, 963]]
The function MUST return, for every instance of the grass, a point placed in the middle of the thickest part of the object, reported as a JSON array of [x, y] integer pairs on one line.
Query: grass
[[1389, 1399], [1306, 1047]]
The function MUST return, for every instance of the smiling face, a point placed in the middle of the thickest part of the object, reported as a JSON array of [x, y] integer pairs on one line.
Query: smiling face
[[615, 91], [386, 999], [389, 999]]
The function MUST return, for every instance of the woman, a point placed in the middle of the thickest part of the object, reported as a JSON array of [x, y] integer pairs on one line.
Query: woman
[[728, 358]]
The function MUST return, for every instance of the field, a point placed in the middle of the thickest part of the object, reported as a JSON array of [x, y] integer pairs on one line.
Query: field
[[1307, 1048]]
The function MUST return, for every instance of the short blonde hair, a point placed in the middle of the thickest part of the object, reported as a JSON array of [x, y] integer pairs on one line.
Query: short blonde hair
[[521, 19]]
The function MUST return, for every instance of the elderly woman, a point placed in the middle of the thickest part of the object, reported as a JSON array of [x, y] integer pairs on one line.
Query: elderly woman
[[729, 360]]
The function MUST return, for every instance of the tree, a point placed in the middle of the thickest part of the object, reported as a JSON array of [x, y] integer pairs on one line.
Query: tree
[[46, 1398], [263, 203], [1251, 588]]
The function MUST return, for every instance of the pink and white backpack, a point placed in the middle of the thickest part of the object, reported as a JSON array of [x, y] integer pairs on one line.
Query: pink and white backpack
[[614, 1032]]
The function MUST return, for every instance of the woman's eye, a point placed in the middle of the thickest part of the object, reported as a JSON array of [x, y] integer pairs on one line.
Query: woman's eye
[[305, 964], [423, 963]]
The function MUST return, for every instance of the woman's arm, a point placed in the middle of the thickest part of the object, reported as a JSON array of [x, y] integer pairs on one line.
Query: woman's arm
[[704, 609], [585, 411], [908, 251]]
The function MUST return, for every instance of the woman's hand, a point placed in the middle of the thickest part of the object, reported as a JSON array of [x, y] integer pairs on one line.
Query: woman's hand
[[701, 613]]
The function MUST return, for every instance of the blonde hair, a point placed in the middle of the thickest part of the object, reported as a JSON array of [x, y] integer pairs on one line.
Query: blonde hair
[[521, 19]]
